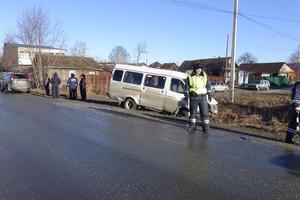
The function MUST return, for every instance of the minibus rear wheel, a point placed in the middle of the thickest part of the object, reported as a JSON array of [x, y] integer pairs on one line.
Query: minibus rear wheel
[[130, 104]]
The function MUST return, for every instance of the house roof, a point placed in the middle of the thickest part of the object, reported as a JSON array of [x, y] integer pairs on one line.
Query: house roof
[[170, 66], [31, 46], [209, 63], [68, 61], [156, 65], [294, 66], [106, 66], [262, 67]]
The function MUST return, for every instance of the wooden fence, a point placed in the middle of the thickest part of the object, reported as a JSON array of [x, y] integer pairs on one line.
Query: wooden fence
[[98, 84]]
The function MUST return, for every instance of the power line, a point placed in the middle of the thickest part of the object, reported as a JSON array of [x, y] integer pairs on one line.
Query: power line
[[202, 6], [292, 37], [198, 5], [273, 18], [195, 5]]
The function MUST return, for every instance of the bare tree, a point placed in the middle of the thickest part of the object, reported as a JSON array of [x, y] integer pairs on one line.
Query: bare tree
[[79, 49], [9, 38], [140, 49], [36, 28], [247, 58], [295, 57], [119, 55]]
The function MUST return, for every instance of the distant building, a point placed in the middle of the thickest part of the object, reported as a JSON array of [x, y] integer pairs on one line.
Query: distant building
[[156, 65], [216, 68], [18, 57], [169, 66], [277, 73], [66, 65], [296, 68]]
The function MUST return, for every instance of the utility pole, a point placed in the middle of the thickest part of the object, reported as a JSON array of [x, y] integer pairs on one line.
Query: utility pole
[[232, 75], [226, 60]]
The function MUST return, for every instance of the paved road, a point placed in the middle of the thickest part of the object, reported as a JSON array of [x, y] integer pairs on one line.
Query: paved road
[[51, 151]]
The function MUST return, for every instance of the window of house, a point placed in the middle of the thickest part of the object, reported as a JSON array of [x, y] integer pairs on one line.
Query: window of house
[[177, 86], [155, 81], [133, 78], [118, 75]]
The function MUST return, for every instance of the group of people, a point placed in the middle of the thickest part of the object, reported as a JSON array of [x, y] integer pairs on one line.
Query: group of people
[[72, 84]]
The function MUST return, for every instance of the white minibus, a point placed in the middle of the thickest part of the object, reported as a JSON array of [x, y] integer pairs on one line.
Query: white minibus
[[152, 88]]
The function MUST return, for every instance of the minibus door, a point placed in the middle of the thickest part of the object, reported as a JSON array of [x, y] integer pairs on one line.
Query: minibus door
[[153, 92]]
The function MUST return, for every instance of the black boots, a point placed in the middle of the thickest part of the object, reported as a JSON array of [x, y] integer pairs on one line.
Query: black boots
[[289, 137]]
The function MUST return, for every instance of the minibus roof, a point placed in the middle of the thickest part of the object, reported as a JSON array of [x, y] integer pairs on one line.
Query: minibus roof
[[145, 69]]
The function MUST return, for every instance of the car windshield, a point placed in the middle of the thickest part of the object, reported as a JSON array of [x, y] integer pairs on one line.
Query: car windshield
[[258, 82]]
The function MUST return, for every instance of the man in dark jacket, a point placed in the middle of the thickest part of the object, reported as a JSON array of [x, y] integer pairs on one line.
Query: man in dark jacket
[[72, 84], [55, 81], [47, 86], [82, 86], [295, 102]]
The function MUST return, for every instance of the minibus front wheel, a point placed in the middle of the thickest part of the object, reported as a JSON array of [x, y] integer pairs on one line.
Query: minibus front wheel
[[130, 104]]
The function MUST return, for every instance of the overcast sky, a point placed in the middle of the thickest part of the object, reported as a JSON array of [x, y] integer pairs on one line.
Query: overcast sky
[[174, 32]]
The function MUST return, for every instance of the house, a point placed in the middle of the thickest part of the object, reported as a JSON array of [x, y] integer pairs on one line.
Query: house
[[18, 57], [170, 66], [296, 68], [156, 65], [217, 69], [277, 73], [65, 65]]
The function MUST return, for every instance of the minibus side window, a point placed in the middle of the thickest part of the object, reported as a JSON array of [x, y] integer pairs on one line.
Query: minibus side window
[[155, 81], [118, 75], [133, 78], [177, 86]]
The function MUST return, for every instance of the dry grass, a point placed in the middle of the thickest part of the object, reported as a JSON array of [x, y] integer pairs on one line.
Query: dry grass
[[260, 112]]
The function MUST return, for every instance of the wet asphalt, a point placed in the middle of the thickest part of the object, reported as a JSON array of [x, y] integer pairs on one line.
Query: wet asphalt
[[51, 151]]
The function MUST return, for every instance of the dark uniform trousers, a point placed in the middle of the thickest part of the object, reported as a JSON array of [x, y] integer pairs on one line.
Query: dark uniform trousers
[[200, 101], [292, 124]]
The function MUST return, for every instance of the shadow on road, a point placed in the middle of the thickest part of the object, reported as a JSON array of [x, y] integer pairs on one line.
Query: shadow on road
[[289, 161], [104, 102], [140, 116]]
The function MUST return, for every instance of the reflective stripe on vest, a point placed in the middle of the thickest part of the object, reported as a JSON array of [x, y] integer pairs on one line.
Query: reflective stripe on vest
[[198, 83]]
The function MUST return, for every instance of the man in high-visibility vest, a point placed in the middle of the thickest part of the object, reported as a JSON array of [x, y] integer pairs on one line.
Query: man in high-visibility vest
[[198, 93]]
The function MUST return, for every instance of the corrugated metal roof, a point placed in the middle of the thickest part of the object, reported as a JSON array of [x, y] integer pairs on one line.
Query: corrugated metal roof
[[68, 61], [209, 63]]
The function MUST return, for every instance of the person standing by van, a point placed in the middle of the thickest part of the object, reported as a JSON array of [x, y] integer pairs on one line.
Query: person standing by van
[[72, 84], [47, 86], [55, 81], [82, 86], [196, 90]]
